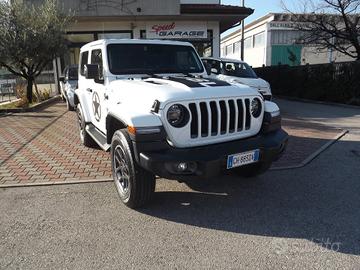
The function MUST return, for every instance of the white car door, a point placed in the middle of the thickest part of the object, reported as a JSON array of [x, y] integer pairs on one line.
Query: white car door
[[99, 98], [87, 85]]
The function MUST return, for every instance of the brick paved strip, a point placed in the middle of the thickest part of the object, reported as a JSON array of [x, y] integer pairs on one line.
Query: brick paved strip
[[55, 154], [306, 138], [313, 155], [44, 149]]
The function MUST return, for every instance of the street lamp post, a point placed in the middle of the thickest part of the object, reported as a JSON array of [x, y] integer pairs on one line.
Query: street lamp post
[[242, 34]]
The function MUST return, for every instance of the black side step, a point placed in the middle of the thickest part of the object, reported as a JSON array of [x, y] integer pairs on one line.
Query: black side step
[[98, 137]]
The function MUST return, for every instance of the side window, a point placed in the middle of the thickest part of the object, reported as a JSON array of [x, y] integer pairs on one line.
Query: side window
[[83, 62], [96, 59]]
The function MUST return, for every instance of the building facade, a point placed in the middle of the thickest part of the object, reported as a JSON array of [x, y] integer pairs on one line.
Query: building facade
[[271, 40], [198, 21]]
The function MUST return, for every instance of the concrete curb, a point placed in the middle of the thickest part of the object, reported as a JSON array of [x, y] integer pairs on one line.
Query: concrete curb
[[35, 108], [89, 181], [317, 102], [313, 155]]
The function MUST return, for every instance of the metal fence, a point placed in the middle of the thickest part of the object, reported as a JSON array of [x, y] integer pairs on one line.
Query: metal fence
[[12, 87], [8, 90], [336, 82]]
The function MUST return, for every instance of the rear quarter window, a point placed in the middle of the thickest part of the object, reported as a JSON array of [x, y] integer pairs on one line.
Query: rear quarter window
[[83, 61]]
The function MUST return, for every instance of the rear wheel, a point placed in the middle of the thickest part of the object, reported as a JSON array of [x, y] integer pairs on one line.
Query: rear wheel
[[135, 185], [85, 138]]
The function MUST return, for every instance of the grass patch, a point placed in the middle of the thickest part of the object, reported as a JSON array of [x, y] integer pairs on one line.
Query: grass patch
[[17, 105]]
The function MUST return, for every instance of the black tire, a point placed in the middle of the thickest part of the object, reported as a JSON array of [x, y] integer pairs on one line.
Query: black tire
[[252, 170], [85, 138], [135, 185]]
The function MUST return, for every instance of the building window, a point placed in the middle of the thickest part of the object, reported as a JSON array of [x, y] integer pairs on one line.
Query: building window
[[229, 49], [259, 40], [285, 37], [237, 47], [248, 43], [142, 34]]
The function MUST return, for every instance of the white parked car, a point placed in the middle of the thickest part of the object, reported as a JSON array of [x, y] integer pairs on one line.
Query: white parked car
[[235, 71], [68, 85], [152, 105]]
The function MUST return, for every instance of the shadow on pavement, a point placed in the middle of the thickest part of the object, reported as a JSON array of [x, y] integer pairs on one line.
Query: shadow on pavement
[[317, 206]]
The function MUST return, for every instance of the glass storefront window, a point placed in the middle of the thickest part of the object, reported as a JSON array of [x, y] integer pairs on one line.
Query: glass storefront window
[[114, 35], [80, 38]]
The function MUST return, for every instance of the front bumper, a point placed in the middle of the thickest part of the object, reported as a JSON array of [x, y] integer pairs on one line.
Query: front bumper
[[206, 161]]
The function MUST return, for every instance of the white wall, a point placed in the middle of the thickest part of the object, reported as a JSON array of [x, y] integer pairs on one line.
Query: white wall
[[254, 56]]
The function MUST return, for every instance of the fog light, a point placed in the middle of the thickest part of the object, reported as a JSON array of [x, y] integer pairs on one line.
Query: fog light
[[182, 167]]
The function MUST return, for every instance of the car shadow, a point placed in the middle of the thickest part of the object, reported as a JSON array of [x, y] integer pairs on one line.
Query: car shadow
[[317, 207]]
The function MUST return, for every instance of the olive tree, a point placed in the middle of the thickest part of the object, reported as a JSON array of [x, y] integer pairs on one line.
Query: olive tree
[[332, 24], [30, 38]]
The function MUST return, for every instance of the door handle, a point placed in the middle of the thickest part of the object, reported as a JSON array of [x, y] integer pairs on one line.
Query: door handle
[[89, 90]]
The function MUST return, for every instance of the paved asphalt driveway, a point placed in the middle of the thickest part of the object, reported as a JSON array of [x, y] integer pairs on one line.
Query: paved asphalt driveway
[[306, 218]]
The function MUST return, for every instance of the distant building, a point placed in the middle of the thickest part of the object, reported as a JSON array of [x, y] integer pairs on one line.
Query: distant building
[[271, 40]]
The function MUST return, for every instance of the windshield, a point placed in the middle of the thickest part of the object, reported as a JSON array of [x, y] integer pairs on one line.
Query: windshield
[[152, 59], [242, 70]]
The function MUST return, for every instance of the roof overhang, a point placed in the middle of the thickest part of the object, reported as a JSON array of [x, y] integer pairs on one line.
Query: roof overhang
[[227, 16]]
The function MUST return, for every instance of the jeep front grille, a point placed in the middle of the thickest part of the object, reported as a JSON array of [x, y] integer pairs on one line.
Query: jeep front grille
[[219, 117]]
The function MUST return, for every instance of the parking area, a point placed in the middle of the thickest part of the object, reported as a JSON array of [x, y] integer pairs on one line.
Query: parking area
[[305, 218], [44, 147]]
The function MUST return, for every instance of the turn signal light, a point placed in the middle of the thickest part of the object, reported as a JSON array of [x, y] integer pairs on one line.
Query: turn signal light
[[131, 130]]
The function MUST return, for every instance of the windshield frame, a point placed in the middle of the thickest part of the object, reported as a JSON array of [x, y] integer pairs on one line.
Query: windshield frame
[[138, 71], [71, 78]]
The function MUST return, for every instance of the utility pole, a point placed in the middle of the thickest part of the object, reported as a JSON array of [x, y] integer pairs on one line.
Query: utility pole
[[242, 33]]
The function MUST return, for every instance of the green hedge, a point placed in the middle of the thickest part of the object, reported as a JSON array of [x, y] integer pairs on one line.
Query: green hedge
[[338, 82]]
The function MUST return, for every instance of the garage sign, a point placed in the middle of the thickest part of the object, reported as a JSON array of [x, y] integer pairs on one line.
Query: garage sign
[[176, 30]]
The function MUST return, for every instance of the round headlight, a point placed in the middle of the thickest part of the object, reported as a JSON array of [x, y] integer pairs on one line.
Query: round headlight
[[177, 115], [256, 107]]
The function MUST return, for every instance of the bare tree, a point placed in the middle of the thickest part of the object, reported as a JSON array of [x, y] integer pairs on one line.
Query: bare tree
[[331, 24], [30, 38]]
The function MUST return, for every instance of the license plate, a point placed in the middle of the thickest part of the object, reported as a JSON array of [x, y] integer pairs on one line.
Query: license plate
[[242, 159]]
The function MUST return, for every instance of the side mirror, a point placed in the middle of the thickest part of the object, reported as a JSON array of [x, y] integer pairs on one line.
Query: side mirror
[[207, 68], [214, 70], [91, 72]]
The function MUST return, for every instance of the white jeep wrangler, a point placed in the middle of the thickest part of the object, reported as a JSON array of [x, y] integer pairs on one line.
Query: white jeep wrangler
[[152, 104]]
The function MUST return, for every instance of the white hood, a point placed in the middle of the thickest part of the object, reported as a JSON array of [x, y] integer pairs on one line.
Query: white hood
[[167, 90]]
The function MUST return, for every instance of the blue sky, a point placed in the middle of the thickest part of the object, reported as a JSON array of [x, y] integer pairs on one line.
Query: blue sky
[[262, 7]]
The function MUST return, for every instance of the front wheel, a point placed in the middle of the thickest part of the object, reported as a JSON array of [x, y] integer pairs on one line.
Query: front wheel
[[85, 138], [134, 184]]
